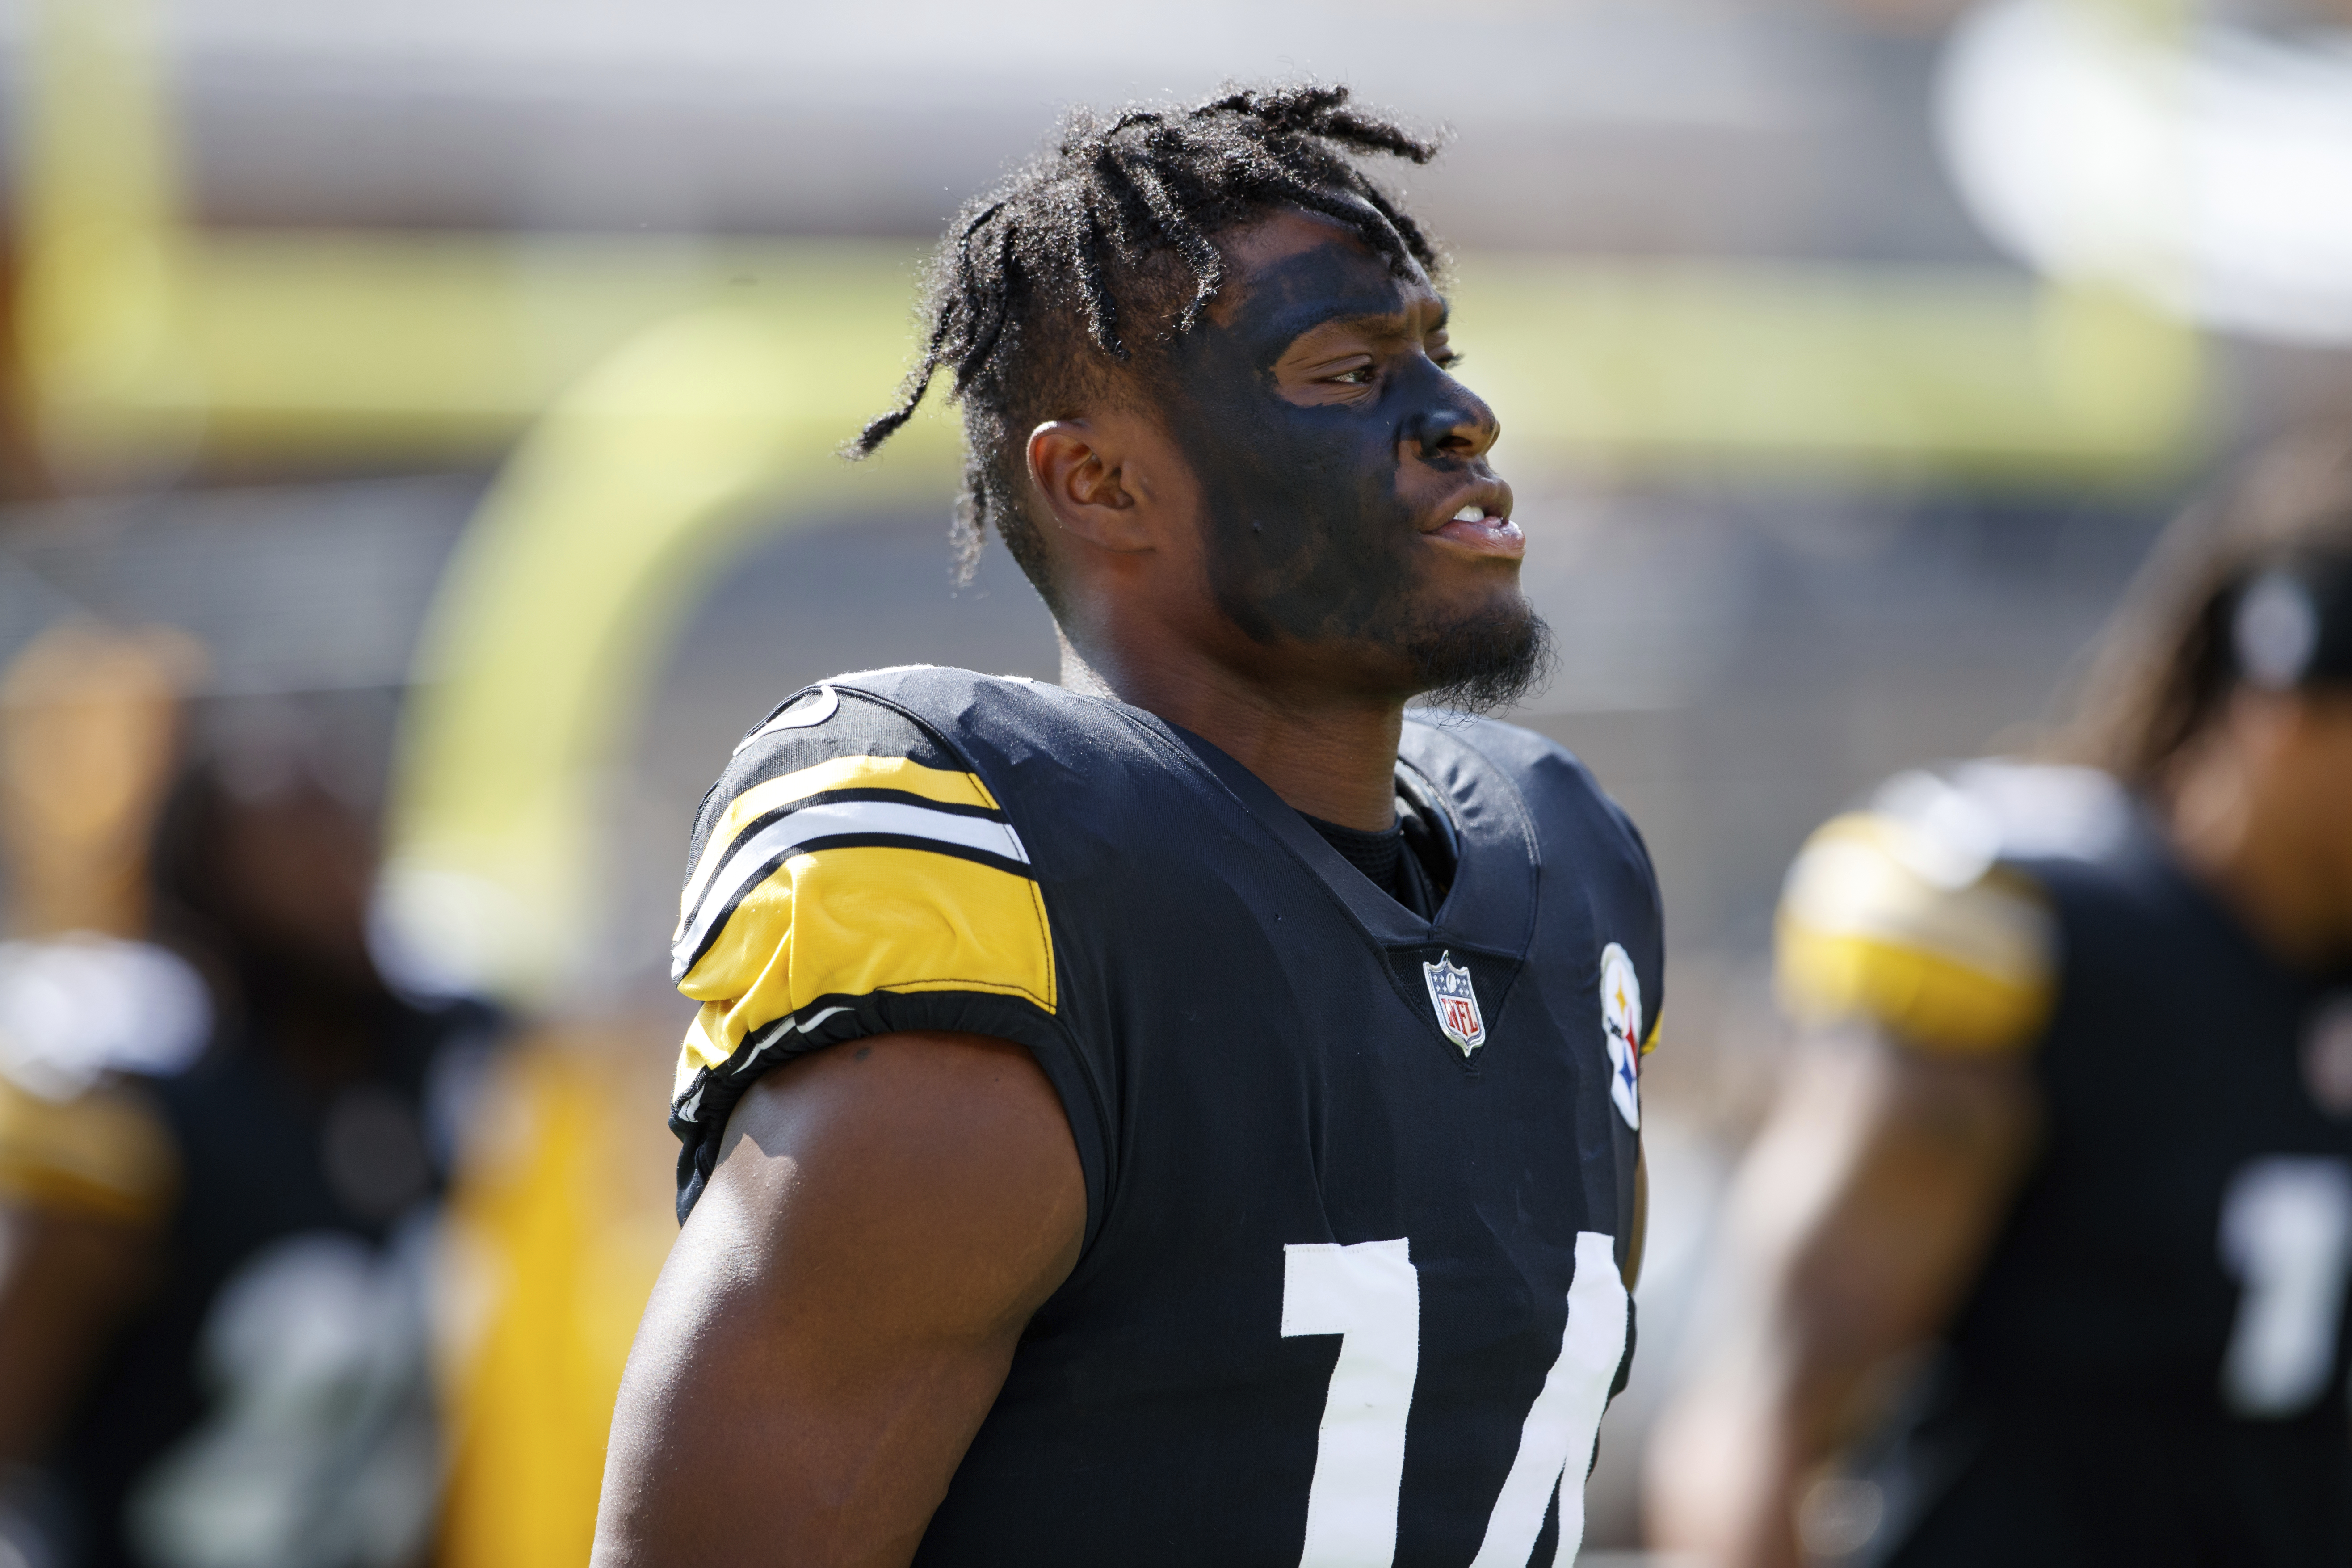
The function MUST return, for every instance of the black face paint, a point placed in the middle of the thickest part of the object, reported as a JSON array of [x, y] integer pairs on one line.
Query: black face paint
[[1310, 536]]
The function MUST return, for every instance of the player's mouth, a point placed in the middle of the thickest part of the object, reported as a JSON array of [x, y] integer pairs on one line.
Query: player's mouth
[[1482, 522]]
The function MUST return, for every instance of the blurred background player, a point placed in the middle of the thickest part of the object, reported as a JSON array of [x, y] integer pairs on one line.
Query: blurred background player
[[222, 1140], [88, 729], [2055, 1228]]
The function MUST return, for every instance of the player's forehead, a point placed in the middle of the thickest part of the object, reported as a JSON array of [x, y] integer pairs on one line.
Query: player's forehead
[[1291, 270]]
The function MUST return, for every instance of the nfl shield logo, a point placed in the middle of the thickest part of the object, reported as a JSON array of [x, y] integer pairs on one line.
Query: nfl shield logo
[[1456, 1002]]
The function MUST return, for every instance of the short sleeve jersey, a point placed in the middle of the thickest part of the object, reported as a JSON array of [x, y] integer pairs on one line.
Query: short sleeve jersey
[[1360, 1185], [2151, 1367]]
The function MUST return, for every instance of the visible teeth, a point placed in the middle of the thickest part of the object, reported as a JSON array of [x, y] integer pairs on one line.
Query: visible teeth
[[1470, 514]]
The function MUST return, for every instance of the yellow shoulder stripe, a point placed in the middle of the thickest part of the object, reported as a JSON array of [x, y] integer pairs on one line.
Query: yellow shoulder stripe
[[105, 1154], [908, 777], [1869, 930], [1918, 997], [859, 918]]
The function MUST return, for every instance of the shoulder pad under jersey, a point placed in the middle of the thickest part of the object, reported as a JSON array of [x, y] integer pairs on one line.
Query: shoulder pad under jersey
[[1912, 915], [850, 874], [80, 1016]]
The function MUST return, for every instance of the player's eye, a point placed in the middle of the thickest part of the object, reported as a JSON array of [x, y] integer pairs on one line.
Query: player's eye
[[1361, 375], [1446, 359]]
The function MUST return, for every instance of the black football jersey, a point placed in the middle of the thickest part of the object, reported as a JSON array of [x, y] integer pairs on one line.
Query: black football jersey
[[2150, 1369], [298, 1218], [1360, 1185]]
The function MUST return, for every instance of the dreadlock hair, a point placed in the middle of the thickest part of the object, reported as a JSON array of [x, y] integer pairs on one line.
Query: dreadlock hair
[[2165, 666], [1083, 256]]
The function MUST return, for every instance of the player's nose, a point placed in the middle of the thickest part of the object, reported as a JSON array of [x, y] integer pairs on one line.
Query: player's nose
[[1453, 423]]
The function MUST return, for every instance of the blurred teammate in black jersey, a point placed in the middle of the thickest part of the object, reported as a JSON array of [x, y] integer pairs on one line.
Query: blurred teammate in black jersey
[[223, 1140], [1186, 1115], [2090, 1137]]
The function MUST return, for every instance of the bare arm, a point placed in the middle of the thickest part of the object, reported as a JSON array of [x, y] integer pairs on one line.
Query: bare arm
[[1862, 1214], [1634, 1249], [841, 1306], [65, 1281], [86, 1185]]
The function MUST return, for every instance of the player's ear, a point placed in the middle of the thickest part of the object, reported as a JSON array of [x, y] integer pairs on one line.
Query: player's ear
[[1086, 475]]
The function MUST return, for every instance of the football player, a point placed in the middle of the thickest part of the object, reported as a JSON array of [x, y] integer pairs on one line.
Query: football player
[[1187, 1114], [221, 1143], [2055, 1230]]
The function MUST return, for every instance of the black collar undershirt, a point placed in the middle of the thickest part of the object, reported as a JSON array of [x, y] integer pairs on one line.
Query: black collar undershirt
[[1418, 879]]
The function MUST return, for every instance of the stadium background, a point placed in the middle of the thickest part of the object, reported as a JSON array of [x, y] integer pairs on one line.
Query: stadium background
[[463, 376]]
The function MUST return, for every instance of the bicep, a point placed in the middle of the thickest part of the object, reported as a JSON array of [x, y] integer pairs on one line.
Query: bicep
[[1641, 1222], [66, 1282], [1892, 1171], [842, 1306], [84, 1185]]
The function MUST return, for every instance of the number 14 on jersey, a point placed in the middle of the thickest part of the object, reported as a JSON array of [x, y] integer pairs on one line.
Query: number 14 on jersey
[[1369, 1295]]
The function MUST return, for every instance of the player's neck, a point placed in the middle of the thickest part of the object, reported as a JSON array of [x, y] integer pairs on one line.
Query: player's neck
[[1328, 757]]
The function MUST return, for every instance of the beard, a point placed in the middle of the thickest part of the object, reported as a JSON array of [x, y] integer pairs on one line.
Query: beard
[[1483, 664]]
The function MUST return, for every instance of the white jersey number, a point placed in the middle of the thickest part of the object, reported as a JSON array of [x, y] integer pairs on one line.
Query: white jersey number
[[2286, 1234], [1369, 1295]]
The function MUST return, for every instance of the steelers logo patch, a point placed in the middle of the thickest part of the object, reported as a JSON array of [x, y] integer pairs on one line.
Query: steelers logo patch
[[1620, 1026]]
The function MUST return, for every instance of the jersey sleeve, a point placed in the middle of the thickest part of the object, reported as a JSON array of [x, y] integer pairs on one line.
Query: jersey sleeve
[[105, 1153], [849, 876], [83, 1019], [1890, 922]]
